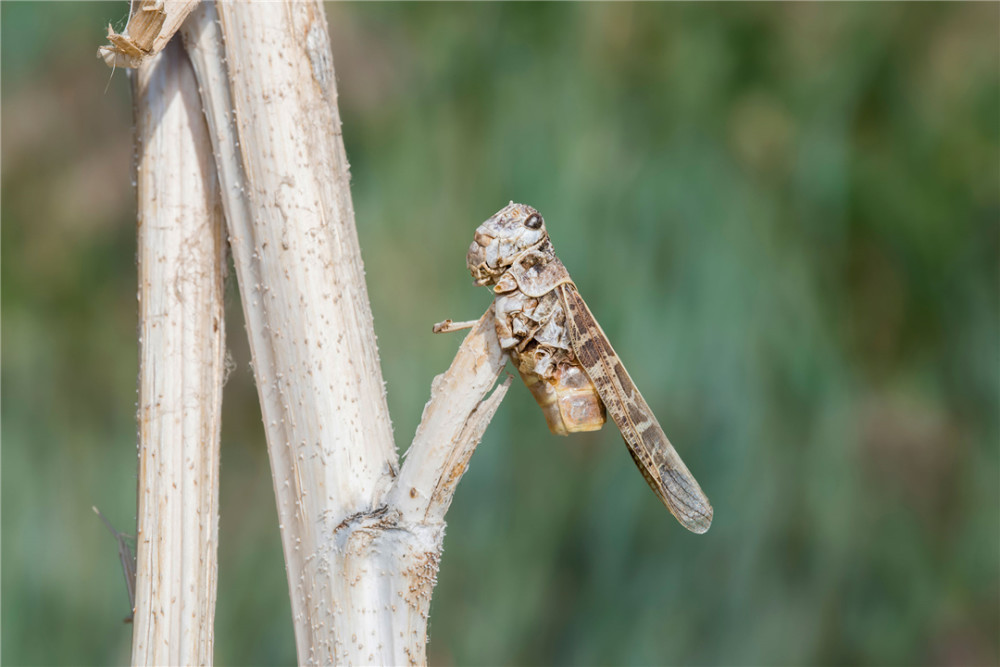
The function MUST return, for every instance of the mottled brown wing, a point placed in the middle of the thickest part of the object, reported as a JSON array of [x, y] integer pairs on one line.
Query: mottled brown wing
[[651, 450]]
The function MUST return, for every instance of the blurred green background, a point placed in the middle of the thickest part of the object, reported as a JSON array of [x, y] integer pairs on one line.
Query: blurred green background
[[785, 217]]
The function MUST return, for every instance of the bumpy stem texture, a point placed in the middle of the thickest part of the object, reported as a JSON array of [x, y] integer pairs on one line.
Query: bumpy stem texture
[[181, 257]]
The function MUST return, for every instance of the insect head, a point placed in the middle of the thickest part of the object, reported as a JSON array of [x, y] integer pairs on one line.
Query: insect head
[[501, 240]]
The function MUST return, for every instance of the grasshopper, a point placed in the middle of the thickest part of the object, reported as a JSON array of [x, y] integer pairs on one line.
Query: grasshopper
[[564, 357]]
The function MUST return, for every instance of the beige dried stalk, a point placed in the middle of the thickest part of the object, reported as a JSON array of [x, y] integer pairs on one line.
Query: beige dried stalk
[[150, 26], [362, 538], [181, 258]]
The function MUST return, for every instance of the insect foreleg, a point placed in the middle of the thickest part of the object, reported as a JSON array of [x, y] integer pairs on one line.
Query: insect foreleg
[[448, 326]]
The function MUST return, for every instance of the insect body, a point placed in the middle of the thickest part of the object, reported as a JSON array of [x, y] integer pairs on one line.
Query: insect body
[[565, 358]]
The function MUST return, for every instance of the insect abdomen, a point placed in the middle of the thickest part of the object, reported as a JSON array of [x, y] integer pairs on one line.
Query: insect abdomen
[[568, 399]]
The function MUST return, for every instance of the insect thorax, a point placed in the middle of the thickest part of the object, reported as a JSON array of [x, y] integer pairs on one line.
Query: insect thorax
[[533, 330]]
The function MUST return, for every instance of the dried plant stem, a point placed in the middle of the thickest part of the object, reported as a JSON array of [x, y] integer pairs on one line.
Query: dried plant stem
[[362, 539], [181, 259], [150, 26]]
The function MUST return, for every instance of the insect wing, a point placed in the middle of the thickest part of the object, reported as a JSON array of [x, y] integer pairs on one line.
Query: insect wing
[[651, 450]]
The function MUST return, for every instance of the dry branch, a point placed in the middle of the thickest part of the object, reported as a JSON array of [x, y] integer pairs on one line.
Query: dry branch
[[181, 256], [451, 426], [150, 26], [362, 540]]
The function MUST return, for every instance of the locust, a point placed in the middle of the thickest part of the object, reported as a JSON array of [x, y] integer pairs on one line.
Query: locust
[[565, 358]]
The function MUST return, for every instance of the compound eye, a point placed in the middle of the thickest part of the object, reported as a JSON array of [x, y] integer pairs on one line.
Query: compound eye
[[534, 221]]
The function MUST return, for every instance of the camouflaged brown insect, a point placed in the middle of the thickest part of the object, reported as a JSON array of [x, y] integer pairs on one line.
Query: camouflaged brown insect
[[565, 358]]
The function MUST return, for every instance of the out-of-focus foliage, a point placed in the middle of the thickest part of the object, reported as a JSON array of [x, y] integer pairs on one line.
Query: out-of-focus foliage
[[785, 218]]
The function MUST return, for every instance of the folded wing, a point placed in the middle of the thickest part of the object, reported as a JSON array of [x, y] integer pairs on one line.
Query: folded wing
[[647, 443]]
